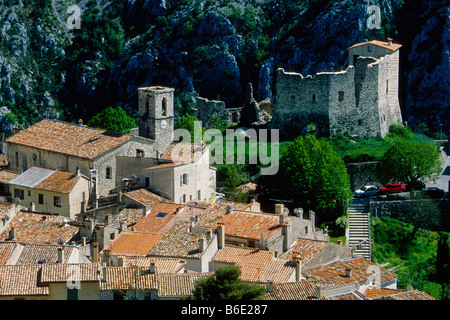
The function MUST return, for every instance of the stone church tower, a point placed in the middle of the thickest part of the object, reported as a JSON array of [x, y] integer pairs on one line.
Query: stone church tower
[[156, 116]]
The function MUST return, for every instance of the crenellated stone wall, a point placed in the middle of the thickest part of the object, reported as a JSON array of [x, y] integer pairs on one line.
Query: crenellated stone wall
[[362, 100]]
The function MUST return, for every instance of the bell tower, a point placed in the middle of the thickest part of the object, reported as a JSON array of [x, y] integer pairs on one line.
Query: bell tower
[[156, 120]]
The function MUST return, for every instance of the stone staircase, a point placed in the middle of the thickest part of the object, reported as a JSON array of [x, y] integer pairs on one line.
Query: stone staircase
[[358, 231]]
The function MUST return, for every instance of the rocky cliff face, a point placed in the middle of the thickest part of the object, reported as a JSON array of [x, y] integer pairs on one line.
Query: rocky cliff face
[[31, 50], [211, 49]]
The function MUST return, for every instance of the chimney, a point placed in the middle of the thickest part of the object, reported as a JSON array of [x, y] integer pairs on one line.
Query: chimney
[[77, 171], [298, 268], [282, 218], [255, 206], [32, 206], [152, 268], [201, 244], [12, 234], [348, 271], [389, 41], [104, 275], [208, 234], [146, 209], [269, 286], [80, 122], [84, 241], [339, 241], [286, 237], [95, 252], [221, 235], [299, 212], [318, 292], [60, 255], [119, 197], [123, 226], [279, 208], [107, 219]]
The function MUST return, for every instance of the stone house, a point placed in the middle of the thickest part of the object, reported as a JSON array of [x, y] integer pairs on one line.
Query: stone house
[[360, 100], [191, 177], [52, 191], [67, 146], [246, 225]]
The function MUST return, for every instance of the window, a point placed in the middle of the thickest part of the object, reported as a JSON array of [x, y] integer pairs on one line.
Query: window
[[164, 107], [183, 198], [184, 179], [199, 195], [57, 202], [139, 153], [359, 122], [40, 198], [72, 293], [341, 96], [147, 181], [108, 173], [314, 99], [199, 176], [18, 193], [17, 159], [293, 96], [387, 86], [306, 229]]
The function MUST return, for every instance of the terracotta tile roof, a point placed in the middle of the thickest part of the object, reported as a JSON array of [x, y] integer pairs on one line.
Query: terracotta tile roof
[[39, 229], [69, 138], [163, 265], [184, 152], [354, 295], [179, 242], [179, 284], [44, 253], [334, 273], [211, 215], [5, 208], [132, 243], [21, 281], [299, 290], [6, 176], [383, 44], [128, 215], [306, 248], [159, 217], [63, 272], [257, 265], [47, 179], [6, 248], [126, 278], [143, 197], [251, 225], [395, 294]]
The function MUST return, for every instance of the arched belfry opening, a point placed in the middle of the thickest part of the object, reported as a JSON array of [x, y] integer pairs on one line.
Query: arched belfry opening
[[164, 107]]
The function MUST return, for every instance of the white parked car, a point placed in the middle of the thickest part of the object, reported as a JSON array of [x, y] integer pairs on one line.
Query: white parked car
[[367, 191]]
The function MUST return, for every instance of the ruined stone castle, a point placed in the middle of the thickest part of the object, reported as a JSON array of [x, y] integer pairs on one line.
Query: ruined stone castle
[[360, 100]]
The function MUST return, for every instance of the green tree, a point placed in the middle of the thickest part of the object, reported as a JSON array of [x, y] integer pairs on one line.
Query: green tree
[[233, 175], [190, 123], [113, 119], [225, 284], [313, 176], [409, 162]]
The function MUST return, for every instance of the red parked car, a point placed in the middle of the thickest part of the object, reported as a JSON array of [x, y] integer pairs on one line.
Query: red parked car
[[393, 188]]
